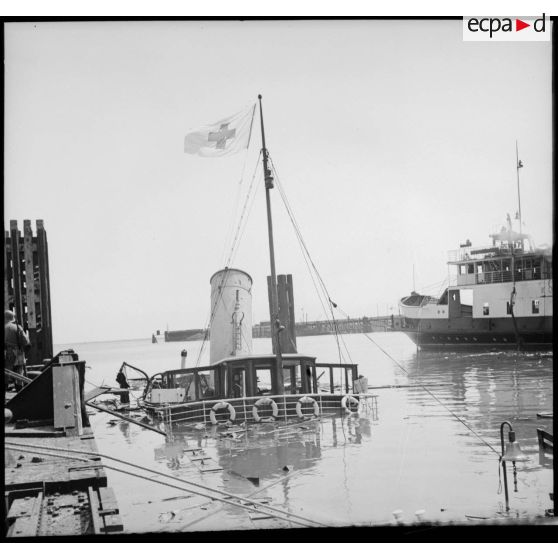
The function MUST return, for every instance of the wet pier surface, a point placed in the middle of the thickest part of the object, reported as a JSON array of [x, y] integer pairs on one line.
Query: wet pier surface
[[428, 452], [52, 491], [55, 483]]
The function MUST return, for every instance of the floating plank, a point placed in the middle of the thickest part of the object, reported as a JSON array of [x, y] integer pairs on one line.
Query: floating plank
[[94, 505], [112, 524], [107, 498]]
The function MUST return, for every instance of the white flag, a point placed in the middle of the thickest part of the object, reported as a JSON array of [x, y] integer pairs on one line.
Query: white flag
[[225, 137]]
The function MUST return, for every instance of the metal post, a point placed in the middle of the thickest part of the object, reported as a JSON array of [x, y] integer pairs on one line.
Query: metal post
[[504, 463]]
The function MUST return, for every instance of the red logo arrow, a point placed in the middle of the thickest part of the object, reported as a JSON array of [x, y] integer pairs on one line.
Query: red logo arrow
[[519, 25]]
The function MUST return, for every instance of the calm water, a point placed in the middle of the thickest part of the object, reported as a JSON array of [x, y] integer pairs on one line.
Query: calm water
[[409, 454]]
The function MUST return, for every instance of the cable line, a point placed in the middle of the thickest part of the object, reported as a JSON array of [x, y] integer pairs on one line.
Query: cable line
[[248, 501]]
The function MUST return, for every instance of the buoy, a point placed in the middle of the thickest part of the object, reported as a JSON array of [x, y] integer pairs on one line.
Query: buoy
[[8, 415]]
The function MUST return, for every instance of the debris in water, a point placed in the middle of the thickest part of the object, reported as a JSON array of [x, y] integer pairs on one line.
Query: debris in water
[[176, 497], [37, 460], [286, 468], [167, 516], [254, 480]]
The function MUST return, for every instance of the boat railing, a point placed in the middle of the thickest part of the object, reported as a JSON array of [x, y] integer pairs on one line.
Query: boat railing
[[198, 411], [471, 253], [500, 277]]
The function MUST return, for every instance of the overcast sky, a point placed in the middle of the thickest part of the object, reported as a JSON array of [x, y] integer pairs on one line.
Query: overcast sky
[[393, 140]]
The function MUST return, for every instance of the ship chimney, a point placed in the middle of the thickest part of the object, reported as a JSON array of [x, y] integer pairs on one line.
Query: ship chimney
[[231, 309]]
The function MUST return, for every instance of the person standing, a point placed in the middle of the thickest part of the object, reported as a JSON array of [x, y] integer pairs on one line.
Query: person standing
[[123, 383], [16, 346]]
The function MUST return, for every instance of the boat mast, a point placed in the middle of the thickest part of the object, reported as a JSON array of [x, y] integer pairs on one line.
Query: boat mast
[[519, 165], [274, 318]]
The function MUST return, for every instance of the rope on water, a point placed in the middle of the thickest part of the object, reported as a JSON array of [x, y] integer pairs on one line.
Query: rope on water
[[433, 396], [190, 491], [296, 517], [251, 495]]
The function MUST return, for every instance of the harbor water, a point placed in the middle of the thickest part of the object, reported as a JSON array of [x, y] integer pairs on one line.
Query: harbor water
[[423, 453]]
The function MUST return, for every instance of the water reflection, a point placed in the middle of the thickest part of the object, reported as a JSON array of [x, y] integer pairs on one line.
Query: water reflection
[[485, 389], [419, 456], [262, 452]]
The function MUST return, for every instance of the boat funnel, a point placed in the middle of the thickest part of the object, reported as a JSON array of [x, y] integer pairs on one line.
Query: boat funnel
[[231, 314]]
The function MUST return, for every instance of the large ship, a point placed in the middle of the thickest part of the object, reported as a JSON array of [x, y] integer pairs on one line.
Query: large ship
[[499, 296]]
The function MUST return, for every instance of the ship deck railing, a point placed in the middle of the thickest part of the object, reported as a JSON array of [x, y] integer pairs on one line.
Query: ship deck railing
[[500, 277], [199, 410]]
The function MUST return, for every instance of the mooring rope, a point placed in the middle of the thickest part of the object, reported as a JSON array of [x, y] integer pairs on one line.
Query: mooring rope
[[163, 483], [310, 263], [457, 417], [190, 483], [251, 495]]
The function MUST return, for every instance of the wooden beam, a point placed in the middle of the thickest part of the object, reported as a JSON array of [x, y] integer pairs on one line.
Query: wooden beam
[[18, 298]]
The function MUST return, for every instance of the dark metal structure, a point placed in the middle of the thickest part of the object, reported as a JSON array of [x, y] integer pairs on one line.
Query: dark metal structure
[[27, 286]]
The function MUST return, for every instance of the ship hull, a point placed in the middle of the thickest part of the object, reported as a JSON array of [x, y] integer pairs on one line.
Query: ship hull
[[535, 333]]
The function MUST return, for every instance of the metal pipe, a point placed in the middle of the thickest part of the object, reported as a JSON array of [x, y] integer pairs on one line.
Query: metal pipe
[[123, 417], [17, 376]]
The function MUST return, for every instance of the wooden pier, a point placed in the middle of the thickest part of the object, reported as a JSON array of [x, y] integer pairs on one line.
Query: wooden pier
[[49, 490], [27, 287]]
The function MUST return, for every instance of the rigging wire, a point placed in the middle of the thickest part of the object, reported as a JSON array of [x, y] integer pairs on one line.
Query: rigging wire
[[232, 251], [397, 363], [236, 206], [310, 264]]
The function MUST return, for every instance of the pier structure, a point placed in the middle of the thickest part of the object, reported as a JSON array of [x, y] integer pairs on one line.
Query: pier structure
[[325, 327], [27, 286], [304, 329], [55, 483]]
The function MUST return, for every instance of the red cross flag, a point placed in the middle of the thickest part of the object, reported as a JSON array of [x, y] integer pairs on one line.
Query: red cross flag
[[225, 137]]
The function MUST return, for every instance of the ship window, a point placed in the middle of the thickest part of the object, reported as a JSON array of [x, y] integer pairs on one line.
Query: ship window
[[471, 268], [186, 381], [508, 307], [238, 383], [535, 307], [263, 381], [485, 309], [207, 384]]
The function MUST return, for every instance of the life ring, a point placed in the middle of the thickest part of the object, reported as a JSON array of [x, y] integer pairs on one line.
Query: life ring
[[346, 402], [221, 405], [306, 399], [265, 401]]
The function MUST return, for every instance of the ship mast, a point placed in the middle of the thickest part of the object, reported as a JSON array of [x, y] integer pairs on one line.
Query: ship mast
[[519, 165], [274, 318]]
